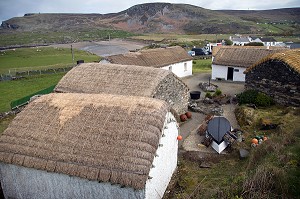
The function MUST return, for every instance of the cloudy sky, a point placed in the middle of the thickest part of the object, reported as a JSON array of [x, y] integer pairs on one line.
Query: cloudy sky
[[14, 8]]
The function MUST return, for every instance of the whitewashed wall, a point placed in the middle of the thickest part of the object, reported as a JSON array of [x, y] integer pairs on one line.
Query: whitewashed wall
[[219, 71], [178, 68], [26, 183], [166, 161]]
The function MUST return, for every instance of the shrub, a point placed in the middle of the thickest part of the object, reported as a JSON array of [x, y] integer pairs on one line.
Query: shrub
[[218, 92], [263, 100], [208, 95], [255, 97], [194, 62]]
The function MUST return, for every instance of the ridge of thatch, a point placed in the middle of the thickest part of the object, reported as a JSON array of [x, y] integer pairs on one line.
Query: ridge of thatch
[[157, 58], [242, 57], [290, 57], [98, 137]]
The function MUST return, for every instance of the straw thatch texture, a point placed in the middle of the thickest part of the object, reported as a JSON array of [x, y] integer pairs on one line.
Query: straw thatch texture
[[290, 57], [99, 137], [241, 57], [126, 80], [157, 58], [216, 49]]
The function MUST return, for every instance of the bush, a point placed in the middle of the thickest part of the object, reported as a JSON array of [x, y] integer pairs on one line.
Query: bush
[[208, 95], [255, 97], [218, 92]]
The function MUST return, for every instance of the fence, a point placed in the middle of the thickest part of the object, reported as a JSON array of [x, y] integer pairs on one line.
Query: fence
[[13, 74], [22, 101]]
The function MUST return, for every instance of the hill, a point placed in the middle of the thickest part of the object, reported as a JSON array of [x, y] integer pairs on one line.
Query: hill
[[164, 18]]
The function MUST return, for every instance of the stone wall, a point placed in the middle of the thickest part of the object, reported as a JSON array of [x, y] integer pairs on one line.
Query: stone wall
[[276, 79], [175, 92]]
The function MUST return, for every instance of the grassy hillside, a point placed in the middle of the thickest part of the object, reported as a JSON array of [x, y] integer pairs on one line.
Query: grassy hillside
[[41, 58]]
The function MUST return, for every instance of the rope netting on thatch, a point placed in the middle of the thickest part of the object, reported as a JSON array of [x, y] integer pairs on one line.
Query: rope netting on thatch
[[242, 56], [99, 137], [290, 57]]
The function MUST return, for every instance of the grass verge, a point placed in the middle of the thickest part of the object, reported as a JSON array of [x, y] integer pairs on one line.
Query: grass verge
[[201, 65]]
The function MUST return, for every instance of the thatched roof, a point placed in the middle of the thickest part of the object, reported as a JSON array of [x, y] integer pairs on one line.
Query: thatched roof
[[112, 79], [216, 49], [241, 57], [157, 58], [98, 137], [290, 57]]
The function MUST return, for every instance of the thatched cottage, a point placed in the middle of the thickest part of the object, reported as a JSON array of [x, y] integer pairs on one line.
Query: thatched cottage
[[70, 145], [175, 59], [277, 75], [127, 80], [230, 63]]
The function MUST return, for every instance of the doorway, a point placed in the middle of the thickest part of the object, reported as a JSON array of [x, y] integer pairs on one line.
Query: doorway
[[230, 74]]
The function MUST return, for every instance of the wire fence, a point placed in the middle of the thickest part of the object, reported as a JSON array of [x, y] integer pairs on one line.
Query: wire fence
[[20, 73]]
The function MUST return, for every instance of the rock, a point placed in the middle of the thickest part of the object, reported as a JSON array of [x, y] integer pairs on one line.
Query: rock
[[243, 153], [205, 165]]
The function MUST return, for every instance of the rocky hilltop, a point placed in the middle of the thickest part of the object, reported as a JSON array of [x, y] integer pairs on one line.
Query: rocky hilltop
[[163, 18]]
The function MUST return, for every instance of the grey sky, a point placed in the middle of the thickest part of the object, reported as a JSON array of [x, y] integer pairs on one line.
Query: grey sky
[[14, 8]]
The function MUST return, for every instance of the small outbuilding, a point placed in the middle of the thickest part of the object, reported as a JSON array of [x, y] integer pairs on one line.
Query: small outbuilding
[[230, 63], [216, 129], [174, 59], [129, 81], [278, 76], [70, 145]]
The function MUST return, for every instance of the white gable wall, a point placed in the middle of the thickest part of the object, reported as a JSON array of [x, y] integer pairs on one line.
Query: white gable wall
[[181, 69], [166, 161], [220, 71]]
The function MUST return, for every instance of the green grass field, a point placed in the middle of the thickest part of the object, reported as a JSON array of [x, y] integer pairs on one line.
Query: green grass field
[[23, 59], [201, 65], [13, 90], [181, 37]]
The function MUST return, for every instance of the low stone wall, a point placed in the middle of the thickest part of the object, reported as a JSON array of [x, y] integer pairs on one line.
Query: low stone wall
[[276, 79]]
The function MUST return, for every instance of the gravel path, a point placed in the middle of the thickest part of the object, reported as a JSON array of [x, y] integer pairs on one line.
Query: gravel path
[[191, 140]]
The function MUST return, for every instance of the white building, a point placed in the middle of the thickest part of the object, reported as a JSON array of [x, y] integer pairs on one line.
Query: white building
[[71, 145], [175, 59], [230, 63], [239, 41]]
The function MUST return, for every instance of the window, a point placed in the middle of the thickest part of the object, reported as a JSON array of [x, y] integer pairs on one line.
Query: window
[[236, 70], [170, 68], [185, 66]]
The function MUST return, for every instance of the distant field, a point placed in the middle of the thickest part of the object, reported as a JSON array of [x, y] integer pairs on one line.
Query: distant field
[[201, 65], [40, 58], [26, 38], [181, 38], [13, 90]]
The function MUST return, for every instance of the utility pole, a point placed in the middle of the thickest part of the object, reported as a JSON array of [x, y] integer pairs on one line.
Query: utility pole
[[72, 54]]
